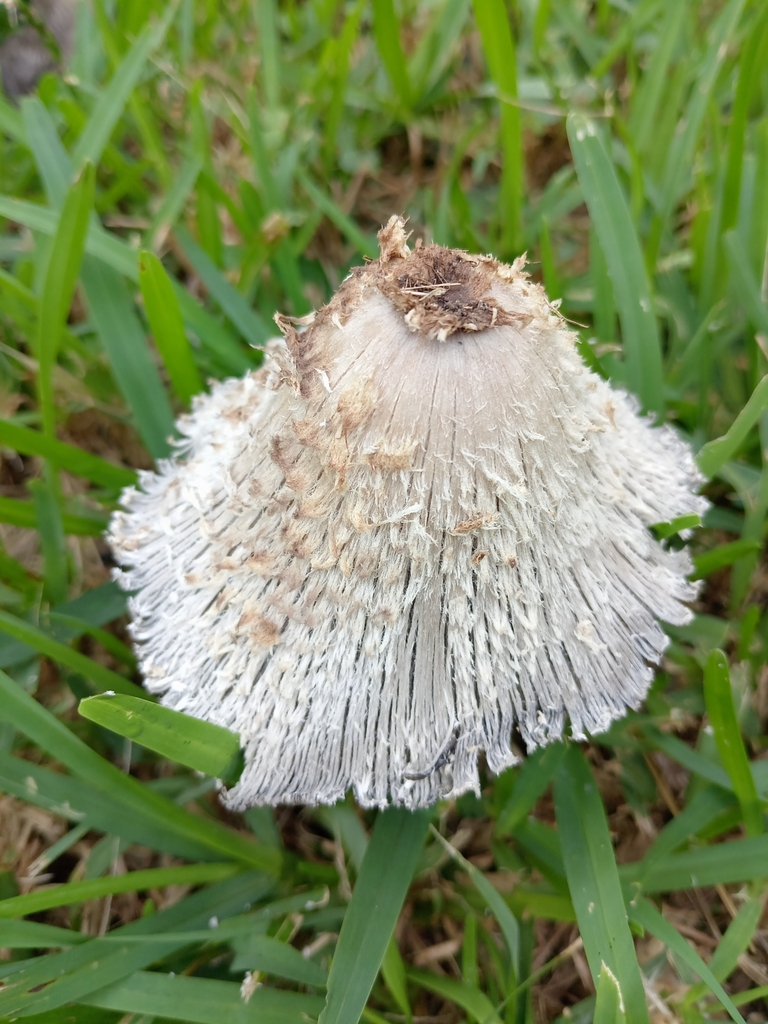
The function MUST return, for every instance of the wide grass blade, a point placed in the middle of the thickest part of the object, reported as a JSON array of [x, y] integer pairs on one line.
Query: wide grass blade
[[94, 888], [206, 747], [167, 326], [730, 745], [615, 229], [51, 981], [54, 737], [204, 1001], [593, 881], [382, 884]]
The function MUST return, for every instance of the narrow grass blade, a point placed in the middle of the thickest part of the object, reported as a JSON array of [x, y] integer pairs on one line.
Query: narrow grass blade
[[207, 748], [740, 860], [53, 543], [65, 456], [76, 800], [738, 936], [653, 83], [100, 676], [715, 454], [270, 956], [17, 512], [386, 32], [53, 162], [116, 255], [59, 286], [680, 154], [174, 201], [32, 935], [496, 903], [50, 982], [618, 240], [393, 972], [11, 122], [730, 745], [364, 245], [167, 327], [112, 101], [609, 1005], [745, 282], [93, 608], [594, 882], [647, 916], [133, 881], [54, 737], [499, 48], [533, 777], [250, 324], [126, 346], [382, 884], [204, 1001], [469, 998], [726, 554]]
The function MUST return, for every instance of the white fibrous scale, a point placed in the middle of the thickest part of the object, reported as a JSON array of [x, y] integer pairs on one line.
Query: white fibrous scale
[[422, 524]]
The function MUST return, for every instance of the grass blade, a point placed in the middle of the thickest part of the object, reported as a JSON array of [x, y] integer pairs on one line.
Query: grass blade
[[65, 456], [250, 324], [207, 748], [386, 32], [730, 746], [101, 677], [54, 737], [609, 1005], [618, 239], [167, 327], [59, 286], [499, 48], [738, 861], [469, 998], [112, 101], [382, 884], [715, 454], [594, 882], [16, 512], [647, 916], [126, 346], [133, 881], [204, 1001]]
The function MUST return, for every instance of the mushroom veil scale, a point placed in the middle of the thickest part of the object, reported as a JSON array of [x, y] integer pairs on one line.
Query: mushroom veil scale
[[421, 524]]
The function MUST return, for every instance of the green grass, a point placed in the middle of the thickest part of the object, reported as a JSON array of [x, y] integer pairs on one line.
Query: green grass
[[204, 165]]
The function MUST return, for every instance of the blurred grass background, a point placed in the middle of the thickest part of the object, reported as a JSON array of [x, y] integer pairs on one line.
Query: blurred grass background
[[199, 166]]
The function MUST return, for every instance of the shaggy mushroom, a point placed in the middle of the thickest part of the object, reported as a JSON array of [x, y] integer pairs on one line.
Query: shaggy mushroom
[[422, 523]]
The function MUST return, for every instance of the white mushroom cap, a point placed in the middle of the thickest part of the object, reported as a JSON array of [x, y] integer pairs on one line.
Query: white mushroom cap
[[422, 524]]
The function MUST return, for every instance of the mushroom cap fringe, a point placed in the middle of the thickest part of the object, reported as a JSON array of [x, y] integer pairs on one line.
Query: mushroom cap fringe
[[422, 523]]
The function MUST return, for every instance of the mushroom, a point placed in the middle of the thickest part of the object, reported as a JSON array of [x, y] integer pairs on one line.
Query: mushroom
[[423, 523]]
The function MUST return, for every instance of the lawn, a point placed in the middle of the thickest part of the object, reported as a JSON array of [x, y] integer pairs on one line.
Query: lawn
[[202, 166]]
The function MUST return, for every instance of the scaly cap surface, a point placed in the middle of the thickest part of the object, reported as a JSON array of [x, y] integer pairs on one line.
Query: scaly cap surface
[[424, 522]]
